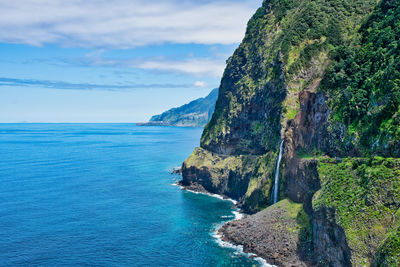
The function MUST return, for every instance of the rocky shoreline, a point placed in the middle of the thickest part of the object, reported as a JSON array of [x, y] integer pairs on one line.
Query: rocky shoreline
[[277, 235], [272, 235], [242, 247], [198, 188]]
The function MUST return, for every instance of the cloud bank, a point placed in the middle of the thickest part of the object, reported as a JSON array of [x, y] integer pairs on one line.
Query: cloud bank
[[123, 24]]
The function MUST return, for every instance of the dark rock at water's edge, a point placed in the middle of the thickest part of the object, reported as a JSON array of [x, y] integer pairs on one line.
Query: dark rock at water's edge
[[198, 188], [194, 114], [279, 234], [195, 187], [177, 170], [243, 178]]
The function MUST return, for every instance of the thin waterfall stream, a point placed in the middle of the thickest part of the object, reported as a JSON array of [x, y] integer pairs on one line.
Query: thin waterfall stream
[[275, 189]]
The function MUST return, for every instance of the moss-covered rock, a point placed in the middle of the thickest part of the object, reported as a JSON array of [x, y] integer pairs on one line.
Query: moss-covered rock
[[244, 178], [389, 251], [285, 50]]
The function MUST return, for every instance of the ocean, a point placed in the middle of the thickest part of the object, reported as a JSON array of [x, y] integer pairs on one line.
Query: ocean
[[103, 195]]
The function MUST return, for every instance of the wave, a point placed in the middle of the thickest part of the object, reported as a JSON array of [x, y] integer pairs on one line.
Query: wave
[[215, 233], [238, 248], [205, 193]]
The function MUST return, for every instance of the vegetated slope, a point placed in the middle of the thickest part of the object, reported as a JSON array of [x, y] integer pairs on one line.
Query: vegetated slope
[[324, 76], [194, 114], [284, 52], [363, 92], [364, 85]]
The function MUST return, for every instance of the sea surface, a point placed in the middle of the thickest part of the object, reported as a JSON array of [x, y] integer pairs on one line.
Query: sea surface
[[102, 195]]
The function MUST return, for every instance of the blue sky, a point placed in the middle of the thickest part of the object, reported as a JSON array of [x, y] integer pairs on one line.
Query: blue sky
[[114, 60]]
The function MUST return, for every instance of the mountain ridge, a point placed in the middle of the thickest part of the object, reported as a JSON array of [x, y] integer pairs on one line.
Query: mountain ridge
[[196, 113]]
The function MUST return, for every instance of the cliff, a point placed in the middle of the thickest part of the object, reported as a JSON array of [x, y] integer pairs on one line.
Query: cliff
[[197, 113], [323, 76]]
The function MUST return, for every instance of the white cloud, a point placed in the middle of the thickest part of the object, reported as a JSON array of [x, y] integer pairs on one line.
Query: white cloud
[[201, 84], [192, 66], [123, 23]]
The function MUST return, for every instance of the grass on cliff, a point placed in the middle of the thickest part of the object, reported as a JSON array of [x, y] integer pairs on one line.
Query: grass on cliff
[[365, 194], [389, 252], [295, 212]]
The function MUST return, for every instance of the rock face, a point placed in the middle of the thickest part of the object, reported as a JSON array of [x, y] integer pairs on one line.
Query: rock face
[[194, 114], [301, 181], [302, 74], [330, 244], [222, 175], [236, 177], [309, 127]]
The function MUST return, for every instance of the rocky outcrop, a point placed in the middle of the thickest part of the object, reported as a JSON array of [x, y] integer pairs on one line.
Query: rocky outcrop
[[278, 234], [218, 174], [243, 178], [329, 240], [308, 131], [301, 181]]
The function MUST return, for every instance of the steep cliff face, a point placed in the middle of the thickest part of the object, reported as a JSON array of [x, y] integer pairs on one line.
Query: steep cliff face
[[285, 51], [248, 110], [244, 178], [344, 118], [329, 240], [325, 77], [363, 198]]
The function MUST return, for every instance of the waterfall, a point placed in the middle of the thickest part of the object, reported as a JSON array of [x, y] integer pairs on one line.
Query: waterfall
[[275, 188]]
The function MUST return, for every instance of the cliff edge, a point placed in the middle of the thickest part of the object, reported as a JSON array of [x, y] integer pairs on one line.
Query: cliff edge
[[324, 77]]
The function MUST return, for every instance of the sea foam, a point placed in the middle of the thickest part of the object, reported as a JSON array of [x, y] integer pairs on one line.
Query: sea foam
[[218, 238]]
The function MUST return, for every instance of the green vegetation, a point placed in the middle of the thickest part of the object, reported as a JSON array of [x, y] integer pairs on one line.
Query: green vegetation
[[311, 27], [347, 52], [365, 193], [285, 49], [305, 227], [295, 212], [389, 252], [303, 154], [364, 84]]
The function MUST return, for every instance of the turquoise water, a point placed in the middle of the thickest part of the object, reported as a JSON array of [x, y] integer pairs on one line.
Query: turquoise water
[[101, 195]]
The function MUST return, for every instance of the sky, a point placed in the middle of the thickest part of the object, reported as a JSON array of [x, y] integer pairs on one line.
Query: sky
[[112, 60]]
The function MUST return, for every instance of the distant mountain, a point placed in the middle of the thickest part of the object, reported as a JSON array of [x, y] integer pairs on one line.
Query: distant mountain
[[194, 114]]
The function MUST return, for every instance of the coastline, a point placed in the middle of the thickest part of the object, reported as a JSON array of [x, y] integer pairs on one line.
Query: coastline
[[216, 233]]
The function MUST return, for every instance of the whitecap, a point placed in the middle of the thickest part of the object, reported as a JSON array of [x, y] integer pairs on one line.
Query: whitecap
[[218, 238], [211, 195], [238, 248]]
